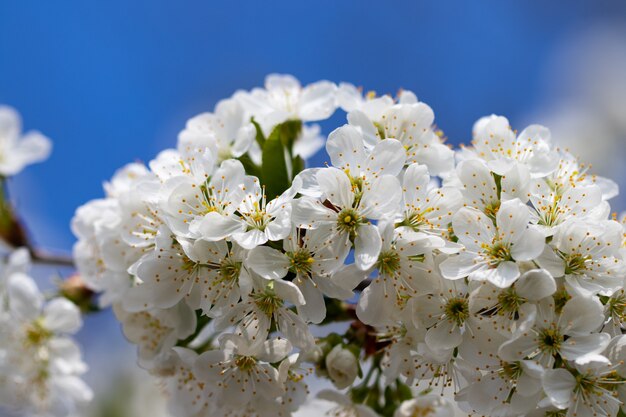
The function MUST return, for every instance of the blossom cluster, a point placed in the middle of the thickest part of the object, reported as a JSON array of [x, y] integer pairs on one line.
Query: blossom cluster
[[40, 364], [492, 275]]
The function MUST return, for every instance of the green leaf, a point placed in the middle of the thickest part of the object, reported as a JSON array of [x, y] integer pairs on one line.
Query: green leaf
[[298, 166], [274, 170], [260, 137], [289, 132], [250, 167], [276, 149], [404, 391]]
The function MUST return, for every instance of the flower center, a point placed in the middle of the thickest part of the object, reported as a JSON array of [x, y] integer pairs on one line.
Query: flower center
[[575, 263], [188, 264], [245, 363], [551, 214], [348, 220], [497, 253], [230, 269], [36, 334], [509, 301], [267, 301], [457, 310], [257, 218], [210, 202], [550, 340], [492, 209], [388, 262], [616, 306], [511, 371], [415, 220], [300, 262]]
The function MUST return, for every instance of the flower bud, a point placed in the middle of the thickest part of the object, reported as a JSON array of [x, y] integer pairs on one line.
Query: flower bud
[[342, 367]]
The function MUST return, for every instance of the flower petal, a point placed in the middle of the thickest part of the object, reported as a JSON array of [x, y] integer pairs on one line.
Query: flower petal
[[367, 245]]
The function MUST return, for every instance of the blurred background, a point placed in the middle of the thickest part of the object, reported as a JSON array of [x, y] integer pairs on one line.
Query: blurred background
[[113, 82]]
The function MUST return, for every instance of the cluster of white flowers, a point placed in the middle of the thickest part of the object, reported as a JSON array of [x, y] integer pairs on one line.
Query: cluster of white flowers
[[40, 364], [492, 274]]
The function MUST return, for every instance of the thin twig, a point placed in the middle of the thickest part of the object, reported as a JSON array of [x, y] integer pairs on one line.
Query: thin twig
[[42, 257]]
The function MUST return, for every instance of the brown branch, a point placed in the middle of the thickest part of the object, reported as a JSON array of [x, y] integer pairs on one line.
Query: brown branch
[[47, 258]]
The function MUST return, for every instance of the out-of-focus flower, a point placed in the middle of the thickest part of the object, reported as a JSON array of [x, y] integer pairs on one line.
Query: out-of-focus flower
[[18, 150], [40, 364]]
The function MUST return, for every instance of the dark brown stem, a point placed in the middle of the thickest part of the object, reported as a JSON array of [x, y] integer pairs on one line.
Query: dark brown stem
[[46, 258]]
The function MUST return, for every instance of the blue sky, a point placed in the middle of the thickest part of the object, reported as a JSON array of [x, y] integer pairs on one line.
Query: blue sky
[[113, 82]]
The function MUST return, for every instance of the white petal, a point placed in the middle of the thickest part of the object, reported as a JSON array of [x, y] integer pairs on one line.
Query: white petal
[[367, 245], [10, 123], [444, 335], [33, 147], [268, 262], [480, 187], [387, 158], [512, 220], [373, 307], [576, 347], [517, 348], [308, 180], [288, 291], [535, 285], [360, 120], [295, 329], [317, 101], [245, 137], [529, 246], [336, 186], [250, 239], [438, 157], [308, 213], [581, 315], [25, 300], [459, 266], [214, 226], [515, 183], [382, 198], [551, 262], [345, 148], [314, 308], [502, 277], [347, 278], [473, 228], [275, 350], [558, 385], [61, 315]]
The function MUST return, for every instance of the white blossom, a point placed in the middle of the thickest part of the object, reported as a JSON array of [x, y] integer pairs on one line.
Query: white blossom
[[489, 278], [18, 150]]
